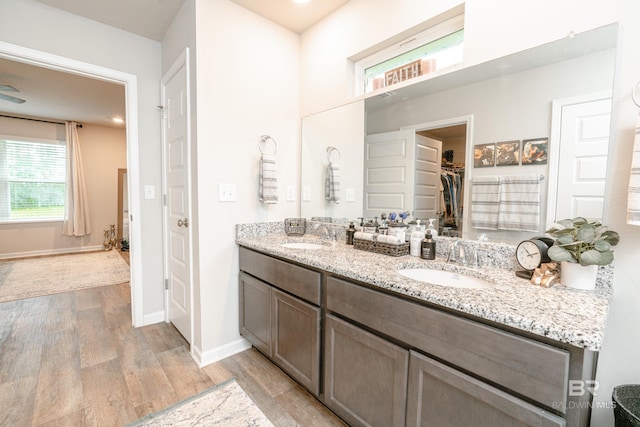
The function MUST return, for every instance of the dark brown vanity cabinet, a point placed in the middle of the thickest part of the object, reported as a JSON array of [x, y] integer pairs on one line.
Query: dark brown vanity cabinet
[[461, 372], [282, 325], [389, 360]]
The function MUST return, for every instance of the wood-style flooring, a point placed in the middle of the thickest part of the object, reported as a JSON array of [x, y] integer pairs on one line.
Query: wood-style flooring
[[73, 359]]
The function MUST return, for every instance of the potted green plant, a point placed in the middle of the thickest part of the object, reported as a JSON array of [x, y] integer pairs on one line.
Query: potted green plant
[[581, 246]]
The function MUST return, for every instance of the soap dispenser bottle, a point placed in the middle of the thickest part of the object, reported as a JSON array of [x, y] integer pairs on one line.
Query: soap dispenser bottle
[[432, 228], [428, 247], [351, 231]]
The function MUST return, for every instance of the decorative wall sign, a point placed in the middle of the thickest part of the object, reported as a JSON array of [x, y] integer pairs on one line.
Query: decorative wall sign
[[534, 151], [484, 155], [402, 73], [508, 153]]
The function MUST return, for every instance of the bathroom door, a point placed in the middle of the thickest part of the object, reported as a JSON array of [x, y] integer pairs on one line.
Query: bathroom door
[[401, 173], [582, 159], [177, 226]]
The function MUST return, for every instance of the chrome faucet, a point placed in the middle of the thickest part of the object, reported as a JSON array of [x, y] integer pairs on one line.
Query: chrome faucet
[[327, 232], [459, 253]]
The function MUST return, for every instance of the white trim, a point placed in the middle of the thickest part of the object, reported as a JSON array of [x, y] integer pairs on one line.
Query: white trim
[[553, 151], [219, 353], [181, 61], [394, 47], [468, 173], [153, 318], [130, 82], [51, 252]]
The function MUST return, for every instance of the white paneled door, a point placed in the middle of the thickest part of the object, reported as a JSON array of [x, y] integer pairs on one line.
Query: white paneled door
[[401, 173], [582, 160], [177, 219]]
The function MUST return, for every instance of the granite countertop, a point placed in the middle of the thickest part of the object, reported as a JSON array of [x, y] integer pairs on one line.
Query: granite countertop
[[571, 316]]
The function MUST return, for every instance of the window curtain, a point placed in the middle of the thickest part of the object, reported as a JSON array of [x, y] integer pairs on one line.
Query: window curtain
[[76, 217]]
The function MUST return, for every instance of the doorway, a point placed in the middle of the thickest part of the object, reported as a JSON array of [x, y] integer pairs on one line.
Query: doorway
[[129, 82], [452, 172]]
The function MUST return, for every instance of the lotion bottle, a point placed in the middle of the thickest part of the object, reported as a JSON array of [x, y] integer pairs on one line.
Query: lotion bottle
[[432, 228], [417, 236]]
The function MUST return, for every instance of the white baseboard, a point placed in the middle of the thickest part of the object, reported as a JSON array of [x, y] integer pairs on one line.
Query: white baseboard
[[51, 252], [219, 353], [152, 318]]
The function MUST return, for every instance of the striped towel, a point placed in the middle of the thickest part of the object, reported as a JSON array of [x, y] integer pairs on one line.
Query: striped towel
[[633, 201], [519, 208], [332, 183], [485, 199], [268, 183]]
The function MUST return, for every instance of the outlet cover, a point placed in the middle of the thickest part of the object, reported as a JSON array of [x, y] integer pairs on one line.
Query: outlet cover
[[291, 193], [350, 195]]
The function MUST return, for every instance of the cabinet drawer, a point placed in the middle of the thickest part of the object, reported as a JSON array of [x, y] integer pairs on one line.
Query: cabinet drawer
[[299, 281], [527, 367]]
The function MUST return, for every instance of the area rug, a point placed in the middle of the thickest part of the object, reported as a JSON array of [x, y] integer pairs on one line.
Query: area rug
[[226, 405], [32, 277]]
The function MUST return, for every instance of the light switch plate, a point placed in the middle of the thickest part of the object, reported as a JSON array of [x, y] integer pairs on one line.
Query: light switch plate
[[226, 192], [306, 194]]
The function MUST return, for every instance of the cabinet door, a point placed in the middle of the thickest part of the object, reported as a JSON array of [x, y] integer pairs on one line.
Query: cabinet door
[[365, 376], [255, 312], [441, 396], [296, 339]]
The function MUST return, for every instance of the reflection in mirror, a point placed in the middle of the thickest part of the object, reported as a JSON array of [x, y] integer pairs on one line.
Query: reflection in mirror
[[343, 129], [515, 98]]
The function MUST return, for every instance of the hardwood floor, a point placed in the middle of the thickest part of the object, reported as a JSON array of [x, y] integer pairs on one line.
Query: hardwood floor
[[73, 359]]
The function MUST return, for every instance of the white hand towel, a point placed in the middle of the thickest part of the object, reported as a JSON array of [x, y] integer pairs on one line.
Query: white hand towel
[[332, 183], [633, 200], [268, 183], [485, 200], [519, 208]]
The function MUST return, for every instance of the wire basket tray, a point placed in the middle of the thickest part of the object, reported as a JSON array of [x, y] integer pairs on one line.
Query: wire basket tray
[[295, 226], [381, 248]]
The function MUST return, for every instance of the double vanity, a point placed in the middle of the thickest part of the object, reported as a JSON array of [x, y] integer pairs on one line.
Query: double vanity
[[394, 341]]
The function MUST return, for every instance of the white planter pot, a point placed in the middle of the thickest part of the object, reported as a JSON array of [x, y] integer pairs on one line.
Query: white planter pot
[[578, 276]]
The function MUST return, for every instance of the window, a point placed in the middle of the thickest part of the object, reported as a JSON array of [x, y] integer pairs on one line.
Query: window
[[32, 180], [433, 49]]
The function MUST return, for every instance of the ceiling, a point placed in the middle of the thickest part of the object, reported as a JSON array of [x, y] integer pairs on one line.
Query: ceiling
[[61, 96]]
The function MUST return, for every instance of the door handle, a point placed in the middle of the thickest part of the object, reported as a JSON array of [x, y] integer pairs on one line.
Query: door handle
[[183, 222]]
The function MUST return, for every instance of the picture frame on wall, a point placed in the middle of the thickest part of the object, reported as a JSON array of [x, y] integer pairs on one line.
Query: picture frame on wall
[[508, 153], [484, 155], [535, 151]]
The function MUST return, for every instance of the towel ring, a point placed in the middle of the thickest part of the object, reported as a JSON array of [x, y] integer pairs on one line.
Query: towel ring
[[333, 150], [263, 140], [634, 94]]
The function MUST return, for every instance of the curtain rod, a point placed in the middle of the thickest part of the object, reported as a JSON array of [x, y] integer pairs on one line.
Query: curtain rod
[[36, 120]]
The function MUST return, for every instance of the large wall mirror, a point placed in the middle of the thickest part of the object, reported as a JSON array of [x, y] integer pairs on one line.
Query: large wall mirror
[[524, 97]]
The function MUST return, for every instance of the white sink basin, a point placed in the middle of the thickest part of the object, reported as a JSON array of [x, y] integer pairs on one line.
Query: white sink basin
[[444, 278], [302, 245]]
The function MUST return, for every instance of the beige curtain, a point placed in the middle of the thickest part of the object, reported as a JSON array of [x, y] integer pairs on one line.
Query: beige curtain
[[76, 218]]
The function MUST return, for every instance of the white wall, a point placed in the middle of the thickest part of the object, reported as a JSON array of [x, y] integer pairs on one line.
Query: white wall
[[245, 88], [494, 28], [37, 26]]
